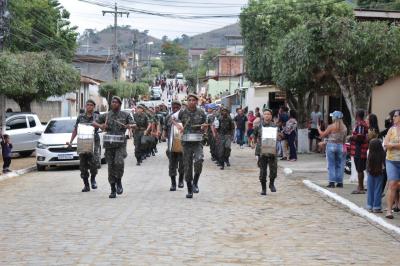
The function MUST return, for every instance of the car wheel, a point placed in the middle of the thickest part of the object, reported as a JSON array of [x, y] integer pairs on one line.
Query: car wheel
[[40, 167], [25, 153]]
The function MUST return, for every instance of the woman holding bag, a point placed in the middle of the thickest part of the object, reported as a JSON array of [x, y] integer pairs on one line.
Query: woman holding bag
[[336, 133]]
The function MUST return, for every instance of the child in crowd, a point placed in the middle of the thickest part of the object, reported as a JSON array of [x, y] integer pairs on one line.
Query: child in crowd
[[375, 165], [6, 148]]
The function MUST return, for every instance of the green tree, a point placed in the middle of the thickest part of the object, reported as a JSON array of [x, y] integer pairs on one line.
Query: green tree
[[29, 76], [41, 25], [123, 89], [175, 58], [265, 22], [359, 55]]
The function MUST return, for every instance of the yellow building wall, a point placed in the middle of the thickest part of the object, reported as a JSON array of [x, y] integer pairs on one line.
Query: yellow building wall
[[385, 98]]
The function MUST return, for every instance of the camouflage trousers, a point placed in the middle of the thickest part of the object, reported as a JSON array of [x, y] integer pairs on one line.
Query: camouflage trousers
[[140, 149], [193, 157], [224, 148], [87, 162], [175, 163], [213, 147], [115, 160], [263, 162]]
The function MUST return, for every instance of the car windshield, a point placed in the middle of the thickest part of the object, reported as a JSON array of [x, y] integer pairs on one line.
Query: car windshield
[[60, 126]]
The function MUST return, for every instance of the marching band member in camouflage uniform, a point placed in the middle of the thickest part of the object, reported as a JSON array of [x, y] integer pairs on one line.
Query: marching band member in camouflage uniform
[[266, 160], [175, 158], [194, 121], [142, 125], [225, 131], [115, 122], [88, 161]]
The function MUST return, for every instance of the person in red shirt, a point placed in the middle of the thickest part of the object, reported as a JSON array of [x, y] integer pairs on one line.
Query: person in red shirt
[[250, 127], [358, 149]]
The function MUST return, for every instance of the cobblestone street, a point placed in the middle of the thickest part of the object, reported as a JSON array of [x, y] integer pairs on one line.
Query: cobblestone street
[[46, 220]]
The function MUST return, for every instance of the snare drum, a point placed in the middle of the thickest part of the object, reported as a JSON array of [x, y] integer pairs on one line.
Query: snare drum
[[85, 139], [268, 140], [192, 137], [111, 139]]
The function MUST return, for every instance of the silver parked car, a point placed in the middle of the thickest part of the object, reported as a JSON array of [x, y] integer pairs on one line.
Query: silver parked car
[[24, 130]]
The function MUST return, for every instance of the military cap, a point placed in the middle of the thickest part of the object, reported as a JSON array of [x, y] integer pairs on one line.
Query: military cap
[[224, 109], [91, 101], [176, 102], [141, 106], [193, 95], [117, 99]]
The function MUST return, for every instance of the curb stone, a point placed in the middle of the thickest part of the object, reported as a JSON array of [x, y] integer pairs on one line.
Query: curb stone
[[17, 173], [353, 207]]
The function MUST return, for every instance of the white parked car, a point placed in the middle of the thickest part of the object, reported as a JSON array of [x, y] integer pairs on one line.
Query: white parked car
[[51, 149], [24, 130], [179, 76]]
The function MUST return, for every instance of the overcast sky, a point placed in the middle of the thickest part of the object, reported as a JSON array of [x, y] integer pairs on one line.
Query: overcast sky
[[85, 15]]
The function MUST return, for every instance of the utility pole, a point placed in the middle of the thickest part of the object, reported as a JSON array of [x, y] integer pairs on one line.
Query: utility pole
[[133, 72], [4, 26], [116, 13]]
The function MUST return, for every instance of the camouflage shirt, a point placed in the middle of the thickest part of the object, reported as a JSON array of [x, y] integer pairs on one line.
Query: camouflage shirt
[[192, 120], [141, 120], [115, 122], [226, 125]]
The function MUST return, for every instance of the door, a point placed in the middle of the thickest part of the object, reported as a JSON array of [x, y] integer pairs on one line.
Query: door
[[17, 129], [34, 128]]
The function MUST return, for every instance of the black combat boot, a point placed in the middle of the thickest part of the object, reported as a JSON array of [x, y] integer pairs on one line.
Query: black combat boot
[[272, 185], [331, 185], [195, 183], [93, 182], [138, 160], [86, 188], [228, 163], [180, 182], [173, 183], [263, 188], [120, 190], [113, 193], [221, 165], [189, 195]]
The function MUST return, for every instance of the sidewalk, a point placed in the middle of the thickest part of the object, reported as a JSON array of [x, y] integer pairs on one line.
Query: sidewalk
[[19, 165], [313, 167]]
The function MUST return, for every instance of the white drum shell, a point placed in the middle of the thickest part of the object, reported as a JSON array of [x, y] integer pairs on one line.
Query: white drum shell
[[113, 139], [193, 137], [268, 140], [85, 139]]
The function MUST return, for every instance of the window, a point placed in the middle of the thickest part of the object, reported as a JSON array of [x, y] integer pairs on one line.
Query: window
[[32, 122], [60, 126], [17, 123]]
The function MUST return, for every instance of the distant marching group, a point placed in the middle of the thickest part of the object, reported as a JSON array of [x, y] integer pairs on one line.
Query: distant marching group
[[183, 128]]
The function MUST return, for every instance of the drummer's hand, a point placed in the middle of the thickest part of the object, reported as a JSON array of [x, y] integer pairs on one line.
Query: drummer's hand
[[103, 127]]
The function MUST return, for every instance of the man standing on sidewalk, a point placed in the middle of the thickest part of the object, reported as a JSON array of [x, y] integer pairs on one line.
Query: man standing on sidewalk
[[115, 122], [223, 135], [240, 121], [194, 122], [88, 161], [316, 118], [359, 148]]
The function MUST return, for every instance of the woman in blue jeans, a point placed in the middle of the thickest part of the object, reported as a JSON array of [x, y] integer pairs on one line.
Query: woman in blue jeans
[[335, 154]]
